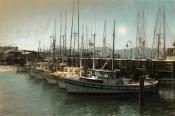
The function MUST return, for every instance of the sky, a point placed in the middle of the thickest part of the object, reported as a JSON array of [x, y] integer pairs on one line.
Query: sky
[[25, 22]]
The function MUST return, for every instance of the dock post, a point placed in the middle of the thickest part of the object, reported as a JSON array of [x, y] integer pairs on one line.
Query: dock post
[[153, 69], [140, 74], [174, 69], [141, 91]]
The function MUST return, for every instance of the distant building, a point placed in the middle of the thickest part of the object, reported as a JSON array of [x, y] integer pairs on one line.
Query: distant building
[[8, 48], [5, 51]]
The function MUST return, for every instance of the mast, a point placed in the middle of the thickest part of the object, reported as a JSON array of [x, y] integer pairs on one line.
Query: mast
[[82, 40], [104, 42], [153, 54], [164, 38], [60, 35], [159, 36], [65, 34], [113, 47], [54, 40], [94, 35], [39, 46], [78, 26], [86, 38], [82, 47], [140, 37], [72, 28]]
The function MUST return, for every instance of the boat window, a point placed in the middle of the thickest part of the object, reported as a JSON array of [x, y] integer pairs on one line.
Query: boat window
[[105, 75], [93, 73], [70, 70], [66, 70], [100, 75]]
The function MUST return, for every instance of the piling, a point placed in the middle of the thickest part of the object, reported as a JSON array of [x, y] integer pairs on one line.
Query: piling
[[140, 73], [173, 69], [141, 91]]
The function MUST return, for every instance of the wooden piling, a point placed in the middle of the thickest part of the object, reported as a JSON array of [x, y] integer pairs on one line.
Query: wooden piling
[[173, 69], [141, 91]]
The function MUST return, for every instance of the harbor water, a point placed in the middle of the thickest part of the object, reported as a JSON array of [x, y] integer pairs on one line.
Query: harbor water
[[21, 95]]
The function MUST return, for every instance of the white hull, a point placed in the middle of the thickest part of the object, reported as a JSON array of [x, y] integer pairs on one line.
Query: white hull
[[39, 76], [21, 69], [36, 74], [32, 73], [61, 84], [50, 79]]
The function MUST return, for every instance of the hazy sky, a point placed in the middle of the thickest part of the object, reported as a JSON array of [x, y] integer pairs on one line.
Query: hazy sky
[[24, 22]]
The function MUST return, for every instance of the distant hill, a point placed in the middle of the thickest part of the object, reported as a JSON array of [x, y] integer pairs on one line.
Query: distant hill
[[125, 53]]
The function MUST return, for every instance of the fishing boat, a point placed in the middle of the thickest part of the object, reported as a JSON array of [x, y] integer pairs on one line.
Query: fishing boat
[[51, 77], [107, 82], [68, 73], [37, 70]]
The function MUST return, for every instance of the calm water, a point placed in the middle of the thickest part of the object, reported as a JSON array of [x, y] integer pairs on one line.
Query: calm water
[[21, 95]]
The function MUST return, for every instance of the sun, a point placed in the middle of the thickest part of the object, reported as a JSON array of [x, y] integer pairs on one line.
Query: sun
[[122, 30]]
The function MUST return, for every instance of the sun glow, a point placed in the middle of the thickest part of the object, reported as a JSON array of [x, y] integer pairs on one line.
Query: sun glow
[[122, 30]]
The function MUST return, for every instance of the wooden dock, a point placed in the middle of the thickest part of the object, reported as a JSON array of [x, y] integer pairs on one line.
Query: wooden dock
[[161, 69]]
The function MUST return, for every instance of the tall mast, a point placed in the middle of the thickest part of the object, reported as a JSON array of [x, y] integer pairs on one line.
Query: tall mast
[[54, 39], [60, 35], [153, 54], [94, 35], [72, 27], [140, 37], [87, 38], [65, 33], [90, 42], [113, 47], [39, 46], [104, 42], [82, 47], [82, 39], [164, 39], [159, 36], [78, 26]]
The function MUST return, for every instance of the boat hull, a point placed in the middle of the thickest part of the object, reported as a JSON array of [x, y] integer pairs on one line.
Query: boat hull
[[21, 69], [50, 79], [39, 75], [36, 74], [61, 83], [76, 86], [32, 73]]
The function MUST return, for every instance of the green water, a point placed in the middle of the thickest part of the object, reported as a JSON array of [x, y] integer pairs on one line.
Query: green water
[[21, 95]]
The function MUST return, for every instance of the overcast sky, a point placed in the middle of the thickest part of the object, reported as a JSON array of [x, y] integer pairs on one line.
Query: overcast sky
[[25, 22]]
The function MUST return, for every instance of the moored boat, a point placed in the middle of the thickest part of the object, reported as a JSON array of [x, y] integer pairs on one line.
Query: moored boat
[[108, 84], [69, 73]]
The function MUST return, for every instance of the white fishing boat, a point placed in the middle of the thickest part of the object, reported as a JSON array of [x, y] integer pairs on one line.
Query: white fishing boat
[[37, 70], [107, 82], [69, 73]]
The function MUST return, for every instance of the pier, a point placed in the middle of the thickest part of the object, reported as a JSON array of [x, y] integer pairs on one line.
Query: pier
[[164, 70]]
